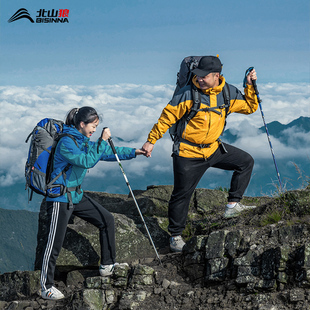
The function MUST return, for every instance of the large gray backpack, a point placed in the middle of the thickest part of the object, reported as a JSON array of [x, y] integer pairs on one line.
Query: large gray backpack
[[184, 78], [39, 164]]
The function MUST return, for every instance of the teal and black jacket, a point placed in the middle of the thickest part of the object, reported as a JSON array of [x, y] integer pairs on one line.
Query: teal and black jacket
[[81, 156]]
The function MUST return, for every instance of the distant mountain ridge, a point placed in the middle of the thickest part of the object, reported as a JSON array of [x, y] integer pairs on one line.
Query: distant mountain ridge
[[276, 129]]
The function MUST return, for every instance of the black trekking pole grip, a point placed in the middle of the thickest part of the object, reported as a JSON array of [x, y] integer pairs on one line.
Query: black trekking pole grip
[[255, 86], [100, 139], [256, 91], [112, 145]]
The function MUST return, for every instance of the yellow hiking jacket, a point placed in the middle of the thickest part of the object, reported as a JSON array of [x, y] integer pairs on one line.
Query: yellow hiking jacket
[[205, 127]]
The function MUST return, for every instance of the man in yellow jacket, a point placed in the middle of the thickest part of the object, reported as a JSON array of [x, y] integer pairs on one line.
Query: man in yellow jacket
[[197, 146]]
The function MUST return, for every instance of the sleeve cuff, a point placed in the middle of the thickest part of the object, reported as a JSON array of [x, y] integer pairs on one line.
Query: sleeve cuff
[[152, 141]]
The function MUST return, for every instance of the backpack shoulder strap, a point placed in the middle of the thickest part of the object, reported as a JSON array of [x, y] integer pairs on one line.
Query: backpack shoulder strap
[[226, 95], [50, 168], [65, 135], [50, 165], [196, 97]]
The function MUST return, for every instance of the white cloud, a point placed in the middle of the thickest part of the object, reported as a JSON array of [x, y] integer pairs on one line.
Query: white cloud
[[294, 136], [130, 111], [297, 143], [280, 102]]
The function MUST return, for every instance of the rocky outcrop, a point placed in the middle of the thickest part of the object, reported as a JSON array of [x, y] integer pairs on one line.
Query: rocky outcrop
[[81, 248], [259, 260]]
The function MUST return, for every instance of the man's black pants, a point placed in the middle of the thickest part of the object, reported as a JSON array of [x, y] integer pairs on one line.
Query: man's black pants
[[188, 172], [58, 214]]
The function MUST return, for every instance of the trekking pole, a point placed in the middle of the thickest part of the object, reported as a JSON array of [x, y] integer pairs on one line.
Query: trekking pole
[[268, 136], [120, 165]]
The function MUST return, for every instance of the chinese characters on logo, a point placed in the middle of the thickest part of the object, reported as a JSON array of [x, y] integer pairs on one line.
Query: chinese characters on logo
[[52, 16]]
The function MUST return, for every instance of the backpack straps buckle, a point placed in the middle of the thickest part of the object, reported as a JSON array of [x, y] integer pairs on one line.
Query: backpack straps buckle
[[202, 146], [72, 189], [213, 109], [70, 199]]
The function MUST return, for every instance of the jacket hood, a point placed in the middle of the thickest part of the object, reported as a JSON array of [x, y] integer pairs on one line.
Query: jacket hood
[[75, 133], [216, 90]]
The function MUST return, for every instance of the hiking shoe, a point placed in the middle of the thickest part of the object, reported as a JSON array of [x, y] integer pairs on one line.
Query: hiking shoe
[[52, 293], [107, 270], [236, 210], [176, 244]]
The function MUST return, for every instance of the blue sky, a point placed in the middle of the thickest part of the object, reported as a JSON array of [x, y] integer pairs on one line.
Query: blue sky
[[142, 41]]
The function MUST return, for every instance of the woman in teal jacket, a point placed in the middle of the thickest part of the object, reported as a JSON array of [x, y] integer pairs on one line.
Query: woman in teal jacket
[[75, 154]]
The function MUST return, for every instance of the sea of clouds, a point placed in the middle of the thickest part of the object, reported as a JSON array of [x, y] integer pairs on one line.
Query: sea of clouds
[[130, 111]]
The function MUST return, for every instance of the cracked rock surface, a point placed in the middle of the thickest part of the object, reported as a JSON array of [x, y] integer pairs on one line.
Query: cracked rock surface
[[258, 260]]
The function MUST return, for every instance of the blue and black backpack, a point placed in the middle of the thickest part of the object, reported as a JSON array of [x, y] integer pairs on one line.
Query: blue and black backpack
[[39, 164]]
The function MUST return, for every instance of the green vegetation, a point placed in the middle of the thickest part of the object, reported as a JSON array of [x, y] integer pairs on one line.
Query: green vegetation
[[222, 189], [288, 205], [188, 232], [271, 218], [304, 178], [163, 223]]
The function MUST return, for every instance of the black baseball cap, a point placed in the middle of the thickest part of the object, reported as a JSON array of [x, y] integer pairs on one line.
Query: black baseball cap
[[208, 64]]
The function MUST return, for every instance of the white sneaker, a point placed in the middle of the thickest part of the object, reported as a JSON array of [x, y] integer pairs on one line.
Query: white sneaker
[[52, 293], [236, 210], [107, 270], [176, 244]]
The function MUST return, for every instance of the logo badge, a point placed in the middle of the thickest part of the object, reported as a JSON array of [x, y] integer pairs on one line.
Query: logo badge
[[21, 13]]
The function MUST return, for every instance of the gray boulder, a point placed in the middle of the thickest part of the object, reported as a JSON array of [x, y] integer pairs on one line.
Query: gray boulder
[[81, 247]]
